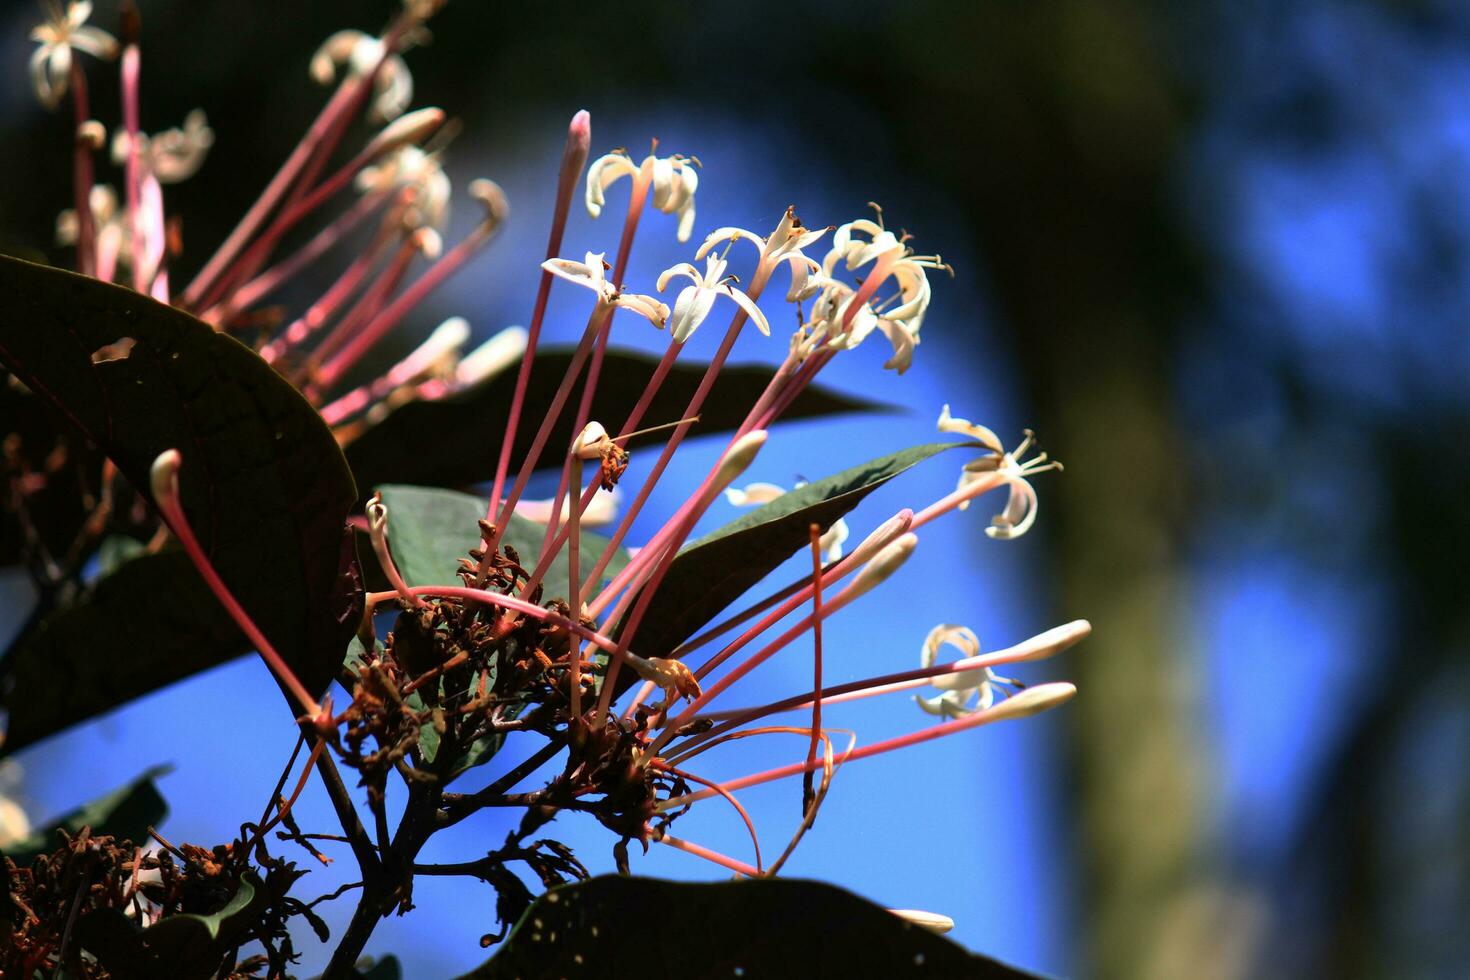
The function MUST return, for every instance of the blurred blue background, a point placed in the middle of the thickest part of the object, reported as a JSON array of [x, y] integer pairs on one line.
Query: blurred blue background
[[1217, 254]]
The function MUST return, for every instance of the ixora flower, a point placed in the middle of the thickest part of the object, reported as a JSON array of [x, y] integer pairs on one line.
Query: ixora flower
[[1011, 468], [696, 301], [537, 632], [673, 181], [62, 33], [591, 274], [784, 244]]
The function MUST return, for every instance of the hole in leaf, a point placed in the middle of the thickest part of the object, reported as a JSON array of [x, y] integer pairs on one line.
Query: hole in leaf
[[118, 350]]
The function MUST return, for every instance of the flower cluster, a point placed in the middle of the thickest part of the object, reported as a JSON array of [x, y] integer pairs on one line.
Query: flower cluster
[[511, 650]]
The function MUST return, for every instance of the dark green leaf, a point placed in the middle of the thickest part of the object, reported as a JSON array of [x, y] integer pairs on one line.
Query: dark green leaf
[[125, 813], [150, 623], [264, 485], [453, 442], [430, 529], [716, 570], [771, 927], [183, 946]]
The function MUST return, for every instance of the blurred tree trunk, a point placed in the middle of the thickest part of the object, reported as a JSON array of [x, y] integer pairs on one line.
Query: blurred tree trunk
[[1070, 122]]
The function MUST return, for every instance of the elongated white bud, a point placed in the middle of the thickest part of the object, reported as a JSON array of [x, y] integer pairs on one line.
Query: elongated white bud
[[883, 534], [163, 477], [738, 459], [1031, 701], [884, 564], [1051, 642], [493, 356]]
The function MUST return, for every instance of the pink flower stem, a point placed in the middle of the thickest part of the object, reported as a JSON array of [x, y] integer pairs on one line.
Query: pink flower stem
[[82, 174], [550, 550], [839, 601], [370, 303], [326, 307], [594, 369], [689, 847], [998, 713], [1044, 644], [389, 318], [900, 525], [682, 522], [319, 140], [692, 409], [573, 159], [574, 581], [173, 514], [808, 793], [272, 279], [289, 216], [663, 766], [553, 415], [131, 69], [953, 500]]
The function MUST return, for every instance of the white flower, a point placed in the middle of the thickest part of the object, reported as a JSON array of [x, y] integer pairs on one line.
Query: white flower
[[759, 494], [51, 62], [1011, 467], [898, 316], [784, 244], [957, 689], [592, 273], [674, 183], [172, 155], [393, 85], [694, 302], [412, 167]]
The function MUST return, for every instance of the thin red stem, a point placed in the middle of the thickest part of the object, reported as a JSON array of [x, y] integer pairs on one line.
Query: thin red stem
[[82, 174], [807, 793], [390, 317], [574, 158]]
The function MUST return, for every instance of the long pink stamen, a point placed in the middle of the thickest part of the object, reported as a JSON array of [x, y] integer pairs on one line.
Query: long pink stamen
[[573, 159], [543, 433], [82, 174], [594, 369], [290, 215], [1038, 647], [554, 546], [351, 94], [892, 529], [390, 317], [371, 302], [166, 497], [574, 582], [131, 69], [839, 601], [272, 279], [731, 464], [689, 847], [326, 307], [807, 793], [1028, 702]]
